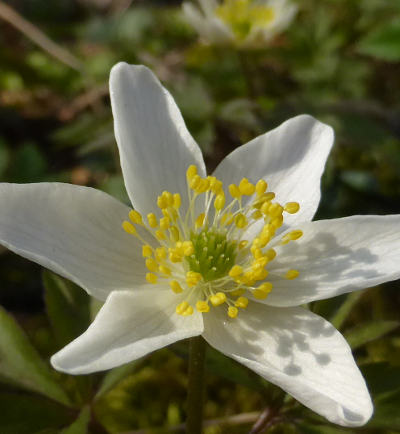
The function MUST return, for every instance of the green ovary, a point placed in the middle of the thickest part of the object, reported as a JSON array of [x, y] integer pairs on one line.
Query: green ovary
[[213, 255]]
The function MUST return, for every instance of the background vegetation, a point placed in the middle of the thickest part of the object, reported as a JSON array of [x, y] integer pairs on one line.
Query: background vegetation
[[339, 61]]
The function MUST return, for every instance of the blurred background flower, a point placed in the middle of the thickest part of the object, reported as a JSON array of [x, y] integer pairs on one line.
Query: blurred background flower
[[339, 60], [242, 23]]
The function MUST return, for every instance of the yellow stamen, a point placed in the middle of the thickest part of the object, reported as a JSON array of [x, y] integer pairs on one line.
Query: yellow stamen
[[151, 278], [235, 271], [193, 278], [177, 200], [292, 274], [242, 302], [292, 207], [184, 309], [246, 187], [202, 306], [129, 228], [147, 251], [135, 217], [219, 201], [232, 312], [218, 299], [175, 286], [152, 219], [261, 187], [151, 265], [234, 191]]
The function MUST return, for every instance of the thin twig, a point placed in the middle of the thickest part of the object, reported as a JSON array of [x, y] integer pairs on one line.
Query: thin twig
[[12, 17]]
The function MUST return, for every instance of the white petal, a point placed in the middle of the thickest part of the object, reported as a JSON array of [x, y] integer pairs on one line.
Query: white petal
[[130, 325], [74, 231], [155, 147], [335, 257], [210, 27], [298, 351], [291, 158]]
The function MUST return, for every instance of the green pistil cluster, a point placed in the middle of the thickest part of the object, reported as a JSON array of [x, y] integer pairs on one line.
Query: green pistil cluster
[[213, 254]]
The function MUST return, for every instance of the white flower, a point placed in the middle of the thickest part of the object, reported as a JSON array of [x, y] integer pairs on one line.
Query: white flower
[[243, 23], [287, 261]]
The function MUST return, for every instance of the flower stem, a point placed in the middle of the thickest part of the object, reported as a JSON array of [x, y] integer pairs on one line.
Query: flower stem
[[197, 351]]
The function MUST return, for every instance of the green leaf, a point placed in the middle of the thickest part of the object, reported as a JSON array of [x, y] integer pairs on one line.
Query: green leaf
[[367, 332], [4, 157], [382, 378], [22, 365], [27, 414], [80, 426], [113, 377], [383, 43], [345, 308], [68, 307], [386, 414]]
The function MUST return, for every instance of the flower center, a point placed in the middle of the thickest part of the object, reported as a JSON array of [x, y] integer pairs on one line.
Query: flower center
[[213, 255], [244, 15], [207, 257]]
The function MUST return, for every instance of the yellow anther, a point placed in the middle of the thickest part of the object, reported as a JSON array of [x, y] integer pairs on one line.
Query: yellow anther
[[270, 254], [218, 299], [234, 191], [292, 274], [161, 253], [291, 236], [151, 264], [147, 251], [175, 235], [160, 235], [194, 182], [177, 201], [162, 202], [135, 217], [152, 219], [187, 248], [191, 172], [242, 302], [275, 210], [277, 222], [164, 223], [128, 227], [256, 215], [265, 207], [235, 271], [260, 274], [240, 221], [202, 306], [175, 286], [246, 187], [257, 253], [219, 201], [262, 291], [261, 187], [203, 186], [200, 220], [192, 278], [215, 184], [175, 256], [243, 244], [259, 262], [237, 292], [233, 311], [151, 278], [184, 309], [168, 197], [292, 207], [165, 270], [227, 219]]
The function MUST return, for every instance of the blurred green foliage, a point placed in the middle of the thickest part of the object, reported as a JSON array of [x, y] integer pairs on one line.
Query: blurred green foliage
[[339, 61]]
